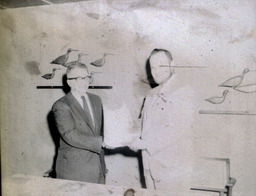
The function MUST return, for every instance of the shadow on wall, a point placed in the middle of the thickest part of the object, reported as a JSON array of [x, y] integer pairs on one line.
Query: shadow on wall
[[55, 137], [65, 85]]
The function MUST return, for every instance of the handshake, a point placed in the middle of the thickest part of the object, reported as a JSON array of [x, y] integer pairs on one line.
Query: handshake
[[135, 145]]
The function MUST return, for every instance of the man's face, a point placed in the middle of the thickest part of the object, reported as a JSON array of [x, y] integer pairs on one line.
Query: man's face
[[80, 80], [160, 67]]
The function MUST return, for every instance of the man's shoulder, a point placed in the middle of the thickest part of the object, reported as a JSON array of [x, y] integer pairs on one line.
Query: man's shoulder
[[94, 97], [60, 103]]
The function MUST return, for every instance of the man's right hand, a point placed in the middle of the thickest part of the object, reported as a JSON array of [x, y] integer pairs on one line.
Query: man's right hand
[[137, 144]]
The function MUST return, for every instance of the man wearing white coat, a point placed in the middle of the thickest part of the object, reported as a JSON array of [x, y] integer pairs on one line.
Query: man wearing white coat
[[166, 134]]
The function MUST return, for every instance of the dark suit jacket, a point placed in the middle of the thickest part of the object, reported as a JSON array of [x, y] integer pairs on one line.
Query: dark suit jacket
[[80, 155]]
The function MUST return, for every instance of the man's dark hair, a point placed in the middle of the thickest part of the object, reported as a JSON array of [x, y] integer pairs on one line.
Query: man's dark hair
[[156, 50]]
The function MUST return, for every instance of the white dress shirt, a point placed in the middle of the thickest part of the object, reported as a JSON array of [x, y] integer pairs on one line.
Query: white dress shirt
[[80, 101]]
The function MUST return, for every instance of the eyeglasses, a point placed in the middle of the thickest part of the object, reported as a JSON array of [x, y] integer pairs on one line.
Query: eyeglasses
[[88, 78]]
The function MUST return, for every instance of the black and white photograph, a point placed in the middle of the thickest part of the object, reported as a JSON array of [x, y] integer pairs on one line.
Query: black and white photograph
[[128, 97]]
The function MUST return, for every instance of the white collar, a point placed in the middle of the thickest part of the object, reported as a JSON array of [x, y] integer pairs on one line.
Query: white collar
[[165, 86]]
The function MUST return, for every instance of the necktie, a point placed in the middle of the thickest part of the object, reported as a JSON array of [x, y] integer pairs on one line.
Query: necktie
[[86, 108]]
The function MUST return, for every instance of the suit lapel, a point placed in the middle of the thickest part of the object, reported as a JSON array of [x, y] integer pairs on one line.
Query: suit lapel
[[85, 114]]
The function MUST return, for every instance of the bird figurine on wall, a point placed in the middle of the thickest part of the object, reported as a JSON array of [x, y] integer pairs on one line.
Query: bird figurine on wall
[[50, 75], [69, 64], [247, 88], [61, 60], [234, 81], [218, 100], [100, 62], [129, 192]]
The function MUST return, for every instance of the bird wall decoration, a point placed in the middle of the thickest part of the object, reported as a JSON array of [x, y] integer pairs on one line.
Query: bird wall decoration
[[234, 81], [247, 88], [218, 100], [129, 192], [49, 76], [61, 60], [70, 64], [100, 62]]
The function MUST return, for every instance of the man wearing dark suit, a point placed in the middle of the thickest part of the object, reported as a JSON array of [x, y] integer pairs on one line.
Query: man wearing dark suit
[[79, 120]]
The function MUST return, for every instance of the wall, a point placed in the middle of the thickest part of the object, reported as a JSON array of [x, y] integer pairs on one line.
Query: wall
[[218, 34]]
